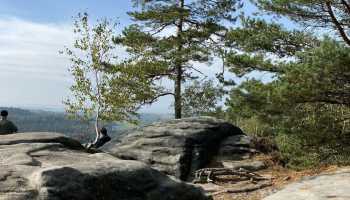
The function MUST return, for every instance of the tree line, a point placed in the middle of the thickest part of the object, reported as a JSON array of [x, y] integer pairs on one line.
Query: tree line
[[46, 121]]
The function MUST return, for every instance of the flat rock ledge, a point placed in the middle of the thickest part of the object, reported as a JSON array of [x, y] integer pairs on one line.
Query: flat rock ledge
[[177, 147], [49, 166], [334, 185]]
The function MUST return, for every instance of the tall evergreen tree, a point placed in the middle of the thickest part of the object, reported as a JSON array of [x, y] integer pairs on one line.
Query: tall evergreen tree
[[306, 104], [170, 36]]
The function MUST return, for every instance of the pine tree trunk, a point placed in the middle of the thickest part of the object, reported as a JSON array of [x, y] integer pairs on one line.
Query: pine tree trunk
[[178, 80], [178, 107]]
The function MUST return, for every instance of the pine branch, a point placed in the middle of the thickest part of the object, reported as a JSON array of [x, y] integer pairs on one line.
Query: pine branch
[[154, 99], [346, 4], [200, 72], [337, 23], [160, 29]]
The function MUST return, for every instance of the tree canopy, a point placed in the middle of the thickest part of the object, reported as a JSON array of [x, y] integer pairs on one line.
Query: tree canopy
[[201, 98], [170, 37], [305, 105]]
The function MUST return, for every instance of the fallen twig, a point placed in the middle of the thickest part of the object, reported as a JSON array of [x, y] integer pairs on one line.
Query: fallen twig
[[208, 175]]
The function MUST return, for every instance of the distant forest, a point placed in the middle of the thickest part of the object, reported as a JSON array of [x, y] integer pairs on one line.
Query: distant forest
[[48, 121]]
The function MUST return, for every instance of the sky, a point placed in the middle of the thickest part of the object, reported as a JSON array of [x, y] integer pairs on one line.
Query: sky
[[32, 32]]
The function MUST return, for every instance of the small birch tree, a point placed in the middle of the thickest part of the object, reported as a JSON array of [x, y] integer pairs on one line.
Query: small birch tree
[[100, 90]]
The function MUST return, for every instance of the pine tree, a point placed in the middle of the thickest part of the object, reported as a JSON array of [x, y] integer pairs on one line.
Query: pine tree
[[169, 36], [306, 104]]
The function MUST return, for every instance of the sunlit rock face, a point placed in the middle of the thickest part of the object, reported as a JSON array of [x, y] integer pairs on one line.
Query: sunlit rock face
[[49, 166], [332, 185], [177, 147]]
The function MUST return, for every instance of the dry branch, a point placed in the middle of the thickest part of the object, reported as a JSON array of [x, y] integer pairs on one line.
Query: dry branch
[[210, 174]]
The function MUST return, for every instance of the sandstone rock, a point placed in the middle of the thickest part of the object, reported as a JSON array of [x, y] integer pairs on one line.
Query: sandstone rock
[[40, 137], [237, 140], [49, 166], [322, 187], [176, 147], [245, 164], [211, 187], [235, 147]]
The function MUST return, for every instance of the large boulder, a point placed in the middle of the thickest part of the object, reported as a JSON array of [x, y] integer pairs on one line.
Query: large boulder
[[334, 185], [49, 166], [176, 147]]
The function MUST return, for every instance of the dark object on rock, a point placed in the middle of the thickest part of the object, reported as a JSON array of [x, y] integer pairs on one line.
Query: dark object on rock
[[102, 139], [4, 113], [6, 126], [176, 147], [49, 166]]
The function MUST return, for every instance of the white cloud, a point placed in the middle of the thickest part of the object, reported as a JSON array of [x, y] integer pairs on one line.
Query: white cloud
[[32, 72], [33, 48]]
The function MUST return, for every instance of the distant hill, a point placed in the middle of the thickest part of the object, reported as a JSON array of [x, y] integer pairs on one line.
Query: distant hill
[[49, 121]]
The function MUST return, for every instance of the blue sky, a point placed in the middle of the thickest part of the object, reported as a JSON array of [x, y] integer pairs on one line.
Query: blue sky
[[32, 72], [54, 11], [32, 32]]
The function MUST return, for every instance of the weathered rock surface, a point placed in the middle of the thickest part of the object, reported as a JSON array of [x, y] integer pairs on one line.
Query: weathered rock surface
[[322, 187], [49, 166], [176, 147], [235, 152], [237, 147], [251, 165]]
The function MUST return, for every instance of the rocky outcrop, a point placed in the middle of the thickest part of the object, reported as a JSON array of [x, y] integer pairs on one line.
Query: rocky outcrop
[[236, 151], [334, 185], [176, 147], [236, 147], [49, 166], [235, 169]]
